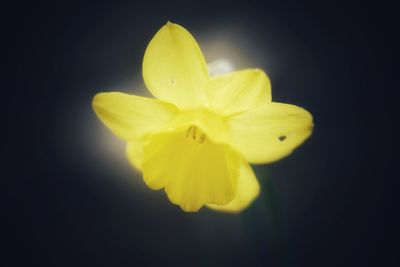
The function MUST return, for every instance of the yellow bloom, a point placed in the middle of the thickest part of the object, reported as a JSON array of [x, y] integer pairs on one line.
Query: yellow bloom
[[197, 138]]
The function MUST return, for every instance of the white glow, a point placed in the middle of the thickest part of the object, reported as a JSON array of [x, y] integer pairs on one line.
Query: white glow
[[220, 66]]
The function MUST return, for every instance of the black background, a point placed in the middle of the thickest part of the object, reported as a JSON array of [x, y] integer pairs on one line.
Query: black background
[[72, 200]]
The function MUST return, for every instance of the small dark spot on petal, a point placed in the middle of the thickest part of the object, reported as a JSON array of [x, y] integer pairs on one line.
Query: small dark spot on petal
[[173, 81], [282, 138]]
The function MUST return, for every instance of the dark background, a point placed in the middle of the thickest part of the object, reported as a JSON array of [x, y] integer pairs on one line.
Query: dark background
[[71, 199]]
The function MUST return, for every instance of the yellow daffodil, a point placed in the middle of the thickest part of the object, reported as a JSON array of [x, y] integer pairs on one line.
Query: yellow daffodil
[[197, 138]]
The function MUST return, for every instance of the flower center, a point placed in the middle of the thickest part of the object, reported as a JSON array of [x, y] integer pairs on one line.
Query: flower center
[[196, 135]]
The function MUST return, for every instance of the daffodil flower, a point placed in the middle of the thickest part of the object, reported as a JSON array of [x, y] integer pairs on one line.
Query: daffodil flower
[[197, 138]]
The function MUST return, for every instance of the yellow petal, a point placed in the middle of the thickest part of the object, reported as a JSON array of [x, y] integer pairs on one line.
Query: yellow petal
[[131, 117], [238, 91], [214, 125], [248, 189], [268, 133], [134, 153], [193, 169], [174, 68]]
